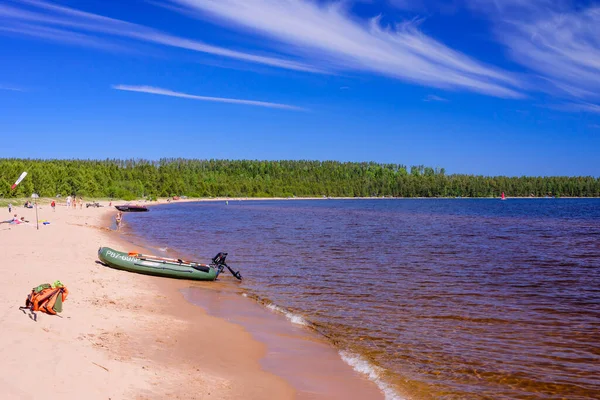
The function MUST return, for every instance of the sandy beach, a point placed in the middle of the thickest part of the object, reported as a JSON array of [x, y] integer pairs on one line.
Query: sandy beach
[[119, 337], [128, 336]]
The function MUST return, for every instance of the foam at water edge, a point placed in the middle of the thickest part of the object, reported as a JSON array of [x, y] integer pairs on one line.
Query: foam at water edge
[[373, 372], [294, 319]]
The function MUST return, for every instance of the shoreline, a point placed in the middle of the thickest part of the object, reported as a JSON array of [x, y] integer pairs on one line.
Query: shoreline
[[293, 348], [203, 199], [124, 335], [17, 201], [354, 360]]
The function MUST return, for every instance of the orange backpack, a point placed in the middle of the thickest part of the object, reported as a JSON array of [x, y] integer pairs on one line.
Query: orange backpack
[[47, 298]]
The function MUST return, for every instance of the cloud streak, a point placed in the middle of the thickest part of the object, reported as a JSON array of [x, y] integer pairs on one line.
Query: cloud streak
[[11, 88], [575, 107], [170, 93], [303, 36], [559, 43], [67, 25], [433, 97], [329, 38], [61, 36]]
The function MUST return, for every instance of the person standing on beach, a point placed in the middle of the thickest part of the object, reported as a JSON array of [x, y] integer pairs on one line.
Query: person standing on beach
[[9, 207], [53, 205], [118, 219], [68, 201]]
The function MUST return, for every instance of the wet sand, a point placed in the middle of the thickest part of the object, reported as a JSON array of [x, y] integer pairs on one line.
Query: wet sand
[[301, 356]]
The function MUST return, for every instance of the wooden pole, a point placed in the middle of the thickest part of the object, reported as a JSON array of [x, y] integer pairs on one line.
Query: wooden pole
[[37, 223], [35, 197]]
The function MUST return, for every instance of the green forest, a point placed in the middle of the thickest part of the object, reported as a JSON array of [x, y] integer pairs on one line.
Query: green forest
[[130, 179]]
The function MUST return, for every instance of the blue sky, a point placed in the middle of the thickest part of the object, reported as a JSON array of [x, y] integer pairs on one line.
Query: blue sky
[[494, 87]]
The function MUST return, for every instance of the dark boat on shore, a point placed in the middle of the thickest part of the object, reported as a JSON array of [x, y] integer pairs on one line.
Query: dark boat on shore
[[131, 208]]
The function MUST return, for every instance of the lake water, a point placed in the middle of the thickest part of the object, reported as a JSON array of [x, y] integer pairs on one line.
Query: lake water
[[444, 298]]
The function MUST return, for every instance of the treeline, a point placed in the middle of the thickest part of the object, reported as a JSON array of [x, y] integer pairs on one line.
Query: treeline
[[129, 179]]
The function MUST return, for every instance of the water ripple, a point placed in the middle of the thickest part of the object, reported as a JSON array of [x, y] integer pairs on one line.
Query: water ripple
[[444, 299]]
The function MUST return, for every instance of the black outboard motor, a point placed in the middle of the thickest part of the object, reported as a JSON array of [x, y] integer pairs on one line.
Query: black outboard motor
[[219, 261]]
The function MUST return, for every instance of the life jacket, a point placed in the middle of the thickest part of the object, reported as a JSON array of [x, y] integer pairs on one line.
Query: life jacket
[[47, 298]]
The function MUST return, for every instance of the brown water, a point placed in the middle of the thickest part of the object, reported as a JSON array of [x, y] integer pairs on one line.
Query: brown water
[[445, 299]]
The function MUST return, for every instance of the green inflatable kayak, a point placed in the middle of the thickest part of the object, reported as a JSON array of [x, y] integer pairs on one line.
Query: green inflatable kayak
[[166, 267]]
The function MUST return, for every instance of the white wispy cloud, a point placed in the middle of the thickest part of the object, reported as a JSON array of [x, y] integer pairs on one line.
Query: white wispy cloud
[[574, 106], [11, 88], [556, 40], [433, 97], [327, 37], [588, 107], [306, 36], [60, 35], [171, 93], [67, 25]]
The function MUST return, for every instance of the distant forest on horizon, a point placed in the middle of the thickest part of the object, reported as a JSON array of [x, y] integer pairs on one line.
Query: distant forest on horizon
[[137, 178]]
